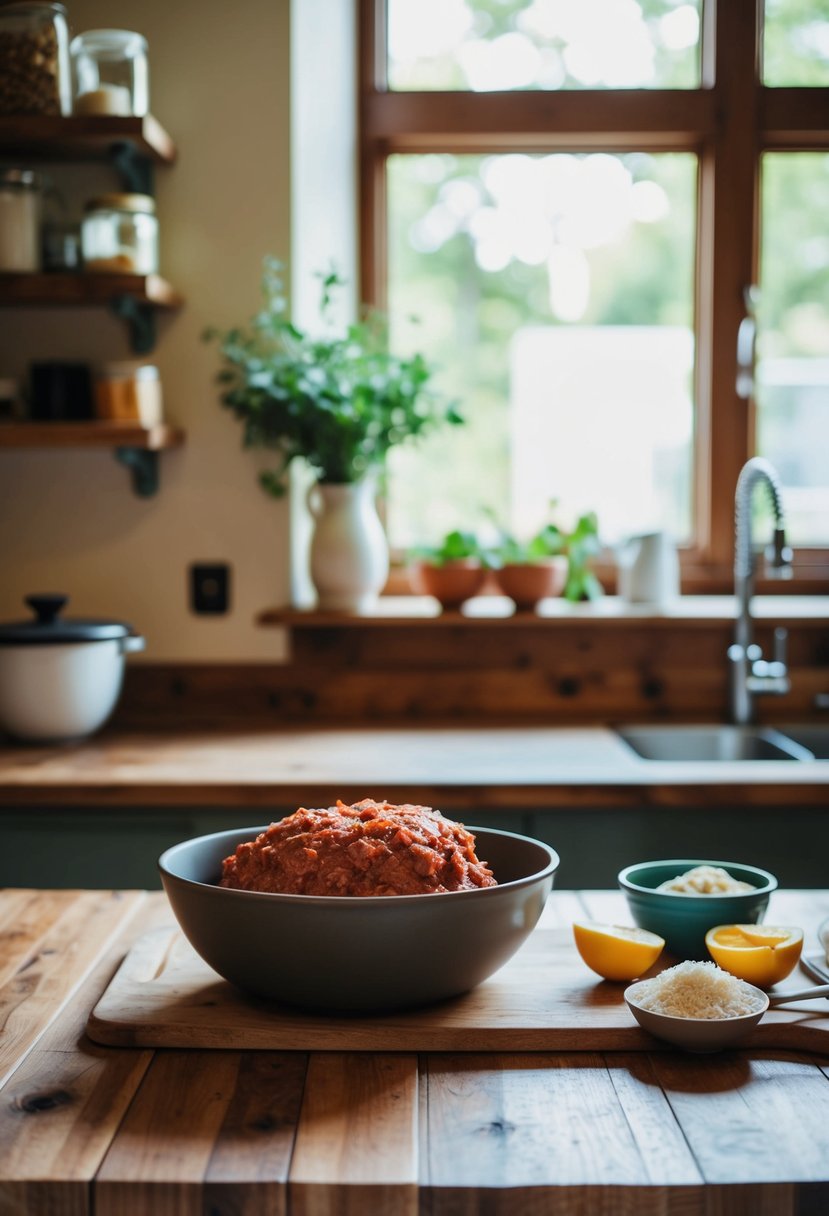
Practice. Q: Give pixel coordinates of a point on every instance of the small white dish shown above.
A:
(701, 1035)
(712, 1034)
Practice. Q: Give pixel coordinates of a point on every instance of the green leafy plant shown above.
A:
(579, 546)
(583, 544)
(340, 401)
(455, 546)
(550, 541)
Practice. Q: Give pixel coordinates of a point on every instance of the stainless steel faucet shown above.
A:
(751, 674)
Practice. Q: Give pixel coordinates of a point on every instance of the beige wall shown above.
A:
(220, 84)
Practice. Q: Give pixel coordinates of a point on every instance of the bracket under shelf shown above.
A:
(139, 317)
(143, 466)
(137, 448)
(133, 167)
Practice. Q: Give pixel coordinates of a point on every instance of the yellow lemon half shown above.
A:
(617, 952)
(761, 954)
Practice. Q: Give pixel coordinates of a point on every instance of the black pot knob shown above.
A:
(47, 608)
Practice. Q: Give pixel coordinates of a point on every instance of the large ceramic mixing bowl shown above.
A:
(375, 953)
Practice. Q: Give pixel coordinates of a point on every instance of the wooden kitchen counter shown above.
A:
(137, 1132)
(486, 766)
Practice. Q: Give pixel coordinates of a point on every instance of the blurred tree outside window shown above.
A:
(793, 349)
(559, 210)
(483, 45)
(556, 295)
(796, 42)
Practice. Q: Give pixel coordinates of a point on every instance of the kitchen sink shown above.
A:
(715, 743)
(814, 738)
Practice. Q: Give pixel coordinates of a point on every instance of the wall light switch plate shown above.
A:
(210, 588)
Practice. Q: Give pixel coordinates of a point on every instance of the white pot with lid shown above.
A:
(60, 677)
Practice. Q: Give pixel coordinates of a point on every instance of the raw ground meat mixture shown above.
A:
(371, 848)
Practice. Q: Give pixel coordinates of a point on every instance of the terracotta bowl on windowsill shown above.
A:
(451, 583)
(528, 583)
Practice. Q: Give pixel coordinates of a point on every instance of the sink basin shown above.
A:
(814, 738)
(713, 743)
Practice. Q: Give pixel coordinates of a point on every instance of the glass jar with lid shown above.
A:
(129, 391)
(119, 234)
(110, 72)
(20, 209)
(34, 59)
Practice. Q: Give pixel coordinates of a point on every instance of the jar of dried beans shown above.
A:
(34, 59)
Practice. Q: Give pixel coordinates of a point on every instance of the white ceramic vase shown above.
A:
(349, 556)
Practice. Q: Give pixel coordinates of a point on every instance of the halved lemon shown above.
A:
(617, 952)
(761, 954)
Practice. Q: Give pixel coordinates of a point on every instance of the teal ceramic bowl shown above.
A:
(683, 920)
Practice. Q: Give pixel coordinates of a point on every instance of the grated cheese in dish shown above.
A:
(698, 990)
(705, 880)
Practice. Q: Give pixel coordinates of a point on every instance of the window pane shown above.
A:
(487, 45)
(555, 294)
(793, 338)
(796, 42)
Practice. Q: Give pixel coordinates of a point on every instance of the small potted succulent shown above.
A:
(552, 562)
(453, 571)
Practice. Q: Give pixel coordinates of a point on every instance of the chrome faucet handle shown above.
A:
(779, 557)
(774, 668)
(778, 667)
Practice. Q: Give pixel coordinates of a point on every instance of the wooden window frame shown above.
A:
(728, 123)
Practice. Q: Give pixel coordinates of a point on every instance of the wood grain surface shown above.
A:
(543, 999)
(460, 767)
(126, 1131)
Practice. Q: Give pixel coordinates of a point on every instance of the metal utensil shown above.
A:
(815, 966)
(805, 994)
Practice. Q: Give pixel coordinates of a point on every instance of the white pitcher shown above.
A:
(648, 568)
(349, 555)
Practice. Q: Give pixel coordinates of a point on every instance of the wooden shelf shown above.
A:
(136, 447)
(133, 146)
(84, 137)
(77, 290)
(484, 610)
(134, 298)
(89, 435)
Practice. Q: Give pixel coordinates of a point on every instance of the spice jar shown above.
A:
(20, 202)
(34, 59)
(119, 234)
(9, 399)
(60, 244)
(110, 72)
(129, 392)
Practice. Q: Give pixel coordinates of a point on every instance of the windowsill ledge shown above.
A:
(487, 609)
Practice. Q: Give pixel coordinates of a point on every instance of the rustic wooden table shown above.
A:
(139, 1132)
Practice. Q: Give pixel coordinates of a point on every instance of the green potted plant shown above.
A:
(582, 546)
(452, 571)
(552, 562)
(339, 401)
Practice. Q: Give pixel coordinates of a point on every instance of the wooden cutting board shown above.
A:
(543, 999)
